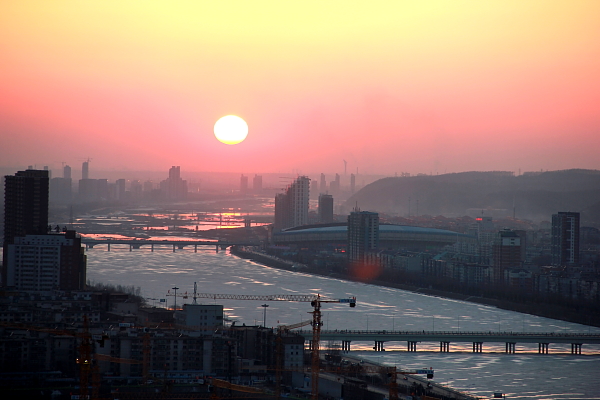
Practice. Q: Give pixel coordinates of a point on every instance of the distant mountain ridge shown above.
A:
(533, 196)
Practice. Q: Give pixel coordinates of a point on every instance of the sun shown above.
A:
(231, 129)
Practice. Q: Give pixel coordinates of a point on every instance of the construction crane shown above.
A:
(315, 301)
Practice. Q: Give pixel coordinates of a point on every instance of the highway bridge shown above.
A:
(175, 244)
(510, 339)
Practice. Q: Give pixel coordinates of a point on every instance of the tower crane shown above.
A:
(315, 301)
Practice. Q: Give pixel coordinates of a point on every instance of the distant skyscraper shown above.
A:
(291, 207)
(243, 184)
(67, 172)
(135, 188)
(325, 208)
(506, 254)
(323, 184)
(257, 183)
(334, 186)
(174, 188)
(88, 190)
(363, 235)
(120, 189)
(352, 183)
(175, 172)
(61, 191)
(565, 239)
(85, 170)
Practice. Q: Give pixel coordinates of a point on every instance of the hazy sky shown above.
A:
(389, 86)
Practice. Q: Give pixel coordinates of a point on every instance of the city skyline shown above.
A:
(385, 88)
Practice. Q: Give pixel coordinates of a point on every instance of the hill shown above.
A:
(533, 196)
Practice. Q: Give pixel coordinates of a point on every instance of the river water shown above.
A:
(525, 375)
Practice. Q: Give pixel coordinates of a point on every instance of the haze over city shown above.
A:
(419, 87)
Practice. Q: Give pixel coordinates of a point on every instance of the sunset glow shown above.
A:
(412, 86)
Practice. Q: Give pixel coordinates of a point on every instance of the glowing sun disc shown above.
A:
(231, 129)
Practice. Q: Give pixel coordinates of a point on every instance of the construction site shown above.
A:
(91, 345)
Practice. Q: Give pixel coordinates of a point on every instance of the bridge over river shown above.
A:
(510, 339)
(175, 244)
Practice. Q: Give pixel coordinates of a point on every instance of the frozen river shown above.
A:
(525, 375)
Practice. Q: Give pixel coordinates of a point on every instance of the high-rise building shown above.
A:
(352, 183)
(174, 188)
(334, 186)
(25, 204)
(135, 188)
(34, 259)
(291, 207)
(61, 191)
(363, 235)
(88, 190)
(565, 239)
(243, 184)
(257, 183)
(46, 262)
(325, 208)
(120, 189)
(67, 172)
(506, 253)
(323, 184)
(85, 170)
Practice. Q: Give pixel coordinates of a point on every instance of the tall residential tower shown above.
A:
(363, 235)
(565, 239)
(291, 207)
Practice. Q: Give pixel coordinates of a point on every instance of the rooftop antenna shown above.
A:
(195, 293)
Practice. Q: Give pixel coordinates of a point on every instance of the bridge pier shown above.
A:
(109, 247)
(412, 346)
(195, 248)
(378, 346)
(510, 348)
(217, 248)
(477, 347)
(152, 247)
(345, 346)
(173, 248)
(130, 247)
(444, 347)
(543, 348)
(576, 348)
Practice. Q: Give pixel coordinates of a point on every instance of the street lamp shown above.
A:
(264, 314)
(175, 306)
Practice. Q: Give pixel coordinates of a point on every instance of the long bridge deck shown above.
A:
(175, 244)
(510, 339)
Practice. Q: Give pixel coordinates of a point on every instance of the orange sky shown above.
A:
(389, 86)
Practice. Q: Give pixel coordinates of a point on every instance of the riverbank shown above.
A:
(541, 310)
